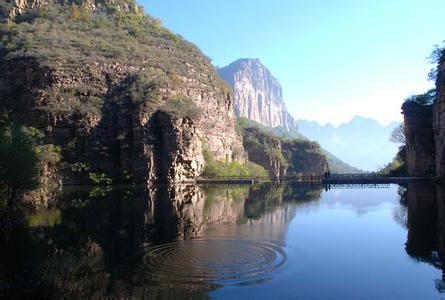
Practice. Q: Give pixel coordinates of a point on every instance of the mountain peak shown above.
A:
(257, 93)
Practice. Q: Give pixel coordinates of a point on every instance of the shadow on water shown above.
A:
(139, 243)
(426, 226)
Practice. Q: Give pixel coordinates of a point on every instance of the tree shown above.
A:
(398, 135)
(427, 98)
(19, 162)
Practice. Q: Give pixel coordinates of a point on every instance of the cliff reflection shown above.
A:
(426, 226)
(91, 244)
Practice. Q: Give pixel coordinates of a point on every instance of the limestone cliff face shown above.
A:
(258, 95)
(141, 105)
(420, 150)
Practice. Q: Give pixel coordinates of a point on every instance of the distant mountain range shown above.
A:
(362, 142)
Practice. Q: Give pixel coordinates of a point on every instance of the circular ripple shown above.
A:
(212, 260)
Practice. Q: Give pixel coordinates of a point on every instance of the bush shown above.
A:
(427, 98)
(19, 160)
(181, 106)
(223, 169)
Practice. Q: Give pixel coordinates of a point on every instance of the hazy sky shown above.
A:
(334, 59)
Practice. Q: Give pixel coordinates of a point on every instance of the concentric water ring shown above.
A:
(212, 260)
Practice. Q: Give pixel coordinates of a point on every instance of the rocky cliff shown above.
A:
(420, 150)
(257, 94)
(439, 119)
(425, 129)
(122, 96)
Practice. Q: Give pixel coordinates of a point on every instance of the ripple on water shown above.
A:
(210, 260)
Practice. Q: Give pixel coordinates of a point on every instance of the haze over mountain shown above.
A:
(362, 142)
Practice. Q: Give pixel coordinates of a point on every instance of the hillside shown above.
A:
(123, 97)
(281, 157)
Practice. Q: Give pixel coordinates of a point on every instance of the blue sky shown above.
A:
(334, 59)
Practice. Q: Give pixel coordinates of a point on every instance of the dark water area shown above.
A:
(271, 241)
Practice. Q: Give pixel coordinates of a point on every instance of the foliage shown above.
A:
(279, 132)
(19, 160)
(335, 164)
(266, 142)
(181, 106)
(100, 178)
(302, 156)
(427, 98)
(437, 57)
(397, 167)
(223, 169)
(114, 38)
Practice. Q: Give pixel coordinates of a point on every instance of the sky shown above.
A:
(334, 59)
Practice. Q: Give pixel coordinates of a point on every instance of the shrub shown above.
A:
(427, 98)
(181, 106)
(223, 169)
(100, 178)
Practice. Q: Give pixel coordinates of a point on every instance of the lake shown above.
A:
(269, 241)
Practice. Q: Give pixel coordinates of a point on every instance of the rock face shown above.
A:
(265, 150)
(439, 121)
(420, 151)
(141, 105)
(425, 132)
(258, 95)
(182, 148)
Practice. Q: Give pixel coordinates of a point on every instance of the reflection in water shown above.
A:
(136, 242)
(426, 226)
(190, 241)
(201, 260)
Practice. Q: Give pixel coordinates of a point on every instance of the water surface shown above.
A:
(267, 241)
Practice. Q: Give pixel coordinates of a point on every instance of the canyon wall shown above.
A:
(122, 99)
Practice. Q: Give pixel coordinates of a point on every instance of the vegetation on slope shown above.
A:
(293, 157)
(233, 169)
(335, 164)
(23, 160)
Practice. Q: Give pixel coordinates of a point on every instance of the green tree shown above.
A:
(19, 168)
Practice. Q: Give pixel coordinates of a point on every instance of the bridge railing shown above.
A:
(304, 178)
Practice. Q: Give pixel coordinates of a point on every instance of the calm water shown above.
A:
(260, 242)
